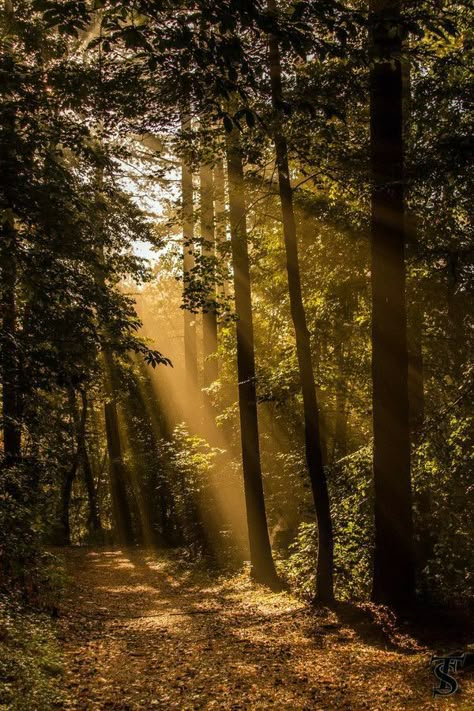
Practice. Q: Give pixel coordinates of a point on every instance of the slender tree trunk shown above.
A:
(97, 458)
(221, 232)
(394, 580)
(9, 350)
(63, 532)
(190, 344)
(121, 514)
(263, 568)
(62, 535)
(9, 360)
(416, 398)
(209, 317)
(80, 422)
(313, 445)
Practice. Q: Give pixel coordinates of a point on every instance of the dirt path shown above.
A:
(138, 632)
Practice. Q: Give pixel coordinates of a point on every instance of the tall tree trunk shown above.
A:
(121, 515)
(190, 345)
(9, 349)
(9, 360)
(263, 568)
(209, 317)
(313, 445)
(220, 231)
(394, 580)
(416, 398)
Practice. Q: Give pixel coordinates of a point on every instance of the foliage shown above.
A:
(351, 496)
(30, 662)
(446, 553)
(92, 139)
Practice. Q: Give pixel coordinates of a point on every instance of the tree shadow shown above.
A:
(190, 638)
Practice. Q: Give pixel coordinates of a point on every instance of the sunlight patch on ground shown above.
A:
(225, 644)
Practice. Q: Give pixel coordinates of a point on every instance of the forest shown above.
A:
(236, 246)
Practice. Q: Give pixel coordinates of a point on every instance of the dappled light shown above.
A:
(235, 355)
(172, 639)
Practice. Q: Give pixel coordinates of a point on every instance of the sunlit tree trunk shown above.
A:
(221, 232)
(263, 569)
(209, 317)
(313, 445)
(394, 582)
(190, 344)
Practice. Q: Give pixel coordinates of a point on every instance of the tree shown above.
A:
(220, 223)
(209, 255)
(187, 195)
(313, 446)
(263, 568)
(80, 423)
(394, 581)
(10, 362)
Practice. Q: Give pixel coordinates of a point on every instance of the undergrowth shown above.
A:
(30, 660)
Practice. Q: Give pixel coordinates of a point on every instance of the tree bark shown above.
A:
(9, 350)
(416, 397)
(190, 345)
(9, 360)
(394, 579)
(209, 316)
(63, 532)
(121, 515)
(263, 568)
(220, 231)
(313, 444)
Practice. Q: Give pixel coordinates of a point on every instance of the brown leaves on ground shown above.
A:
(139, 632)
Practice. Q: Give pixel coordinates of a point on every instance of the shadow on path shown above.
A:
(141, 632)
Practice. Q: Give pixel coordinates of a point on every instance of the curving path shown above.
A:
(140, 632)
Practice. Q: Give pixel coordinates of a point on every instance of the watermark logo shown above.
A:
(443, 669)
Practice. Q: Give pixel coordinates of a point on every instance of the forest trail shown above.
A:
(140, 632)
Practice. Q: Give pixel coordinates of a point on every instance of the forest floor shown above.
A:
(140, 631)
